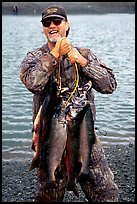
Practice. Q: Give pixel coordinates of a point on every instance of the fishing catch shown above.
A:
(41, 123)
(61, 140)
(78, 146)
(63, 146)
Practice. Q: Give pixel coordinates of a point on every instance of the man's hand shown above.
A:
(75, 56)
(62, 47)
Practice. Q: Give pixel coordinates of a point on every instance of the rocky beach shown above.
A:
(20, 185)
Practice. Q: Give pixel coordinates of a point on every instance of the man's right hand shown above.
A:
(62, 47)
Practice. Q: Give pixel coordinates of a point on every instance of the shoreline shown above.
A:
(35, 8)
(20, 185)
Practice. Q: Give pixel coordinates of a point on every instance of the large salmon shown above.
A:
(55, 145)
(87, 139)
(42, 122)
(78, 147)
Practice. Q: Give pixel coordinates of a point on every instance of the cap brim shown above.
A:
(43, 18)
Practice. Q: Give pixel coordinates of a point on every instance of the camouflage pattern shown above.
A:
(38, 70)
(101, 187)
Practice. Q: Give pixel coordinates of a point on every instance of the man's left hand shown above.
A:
(75, 56)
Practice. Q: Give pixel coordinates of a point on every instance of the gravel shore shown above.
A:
(20, 185)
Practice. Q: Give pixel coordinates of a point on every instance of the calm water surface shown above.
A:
(111, 37)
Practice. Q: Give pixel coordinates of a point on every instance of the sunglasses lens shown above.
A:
(46, 23)
(56, 21)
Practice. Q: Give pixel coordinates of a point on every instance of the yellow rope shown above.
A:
(77, 82)
(76, 75)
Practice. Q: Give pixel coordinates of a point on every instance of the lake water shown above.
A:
(110, 36)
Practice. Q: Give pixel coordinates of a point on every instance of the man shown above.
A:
(79, 154)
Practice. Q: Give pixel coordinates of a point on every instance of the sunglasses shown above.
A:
(56, 21)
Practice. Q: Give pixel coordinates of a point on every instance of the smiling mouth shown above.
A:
(53, 32)
(53, 36)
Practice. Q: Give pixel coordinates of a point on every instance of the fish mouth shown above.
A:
(84, 177)
(73, 187)
(49, 185)
(53, 185)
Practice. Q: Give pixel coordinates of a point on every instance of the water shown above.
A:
(111, 37)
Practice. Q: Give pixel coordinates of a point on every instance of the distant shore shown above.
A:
(35, 8)
(20, 185)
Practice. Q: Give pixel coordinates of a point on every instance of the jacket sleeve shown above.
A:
(102, 77)
(36, 69)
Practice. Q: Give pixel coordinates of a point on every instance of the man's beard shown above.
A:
(53, 40)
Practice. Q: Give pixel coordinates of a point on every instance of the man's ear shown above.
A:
(67, 26)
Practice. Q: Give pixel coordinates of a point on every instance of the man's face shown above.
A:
(55, 28)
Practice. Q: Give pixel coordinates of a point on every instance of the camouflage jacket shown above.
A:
(39, 68)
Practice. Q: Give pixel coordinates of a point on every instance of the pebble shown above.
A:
(20, 185)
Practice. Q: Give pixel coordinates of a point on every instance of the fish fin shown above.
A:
(33, 146)
(34, 163)
(79, 117)
(32, 129)
(73, 187)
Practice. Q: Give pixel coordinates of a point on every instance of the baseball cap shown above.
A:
(54, 11)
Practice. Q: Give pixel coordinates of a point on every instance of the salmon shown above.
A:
(54, 148)
(87, 139)
(61, 136)
(78, 148)
(35, 138)
(41, 123)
